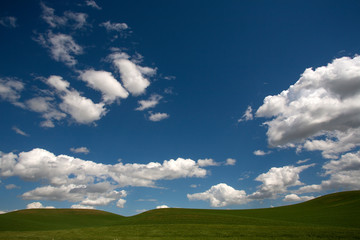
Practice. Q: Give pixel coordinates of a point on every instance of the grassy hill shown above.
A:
(334, 216)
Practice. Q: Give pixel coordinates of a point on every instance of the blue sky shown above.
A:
(127, 106)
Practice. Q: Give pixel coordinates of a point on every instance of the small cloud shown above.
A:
(156, 117)
(207, 162)
(19, 131)
(37, 205)
(162, 206)
(303, 161)
(150, 103)
(146, 200)
(118, 27)
(84, 150)
(140, 210)
(248, 115)
(230, 162)
(92, 3)
(121, 203)
(193, 186)
(80, 206)
(296, 198)
(261, 153)
(11, 186)
(9, 22)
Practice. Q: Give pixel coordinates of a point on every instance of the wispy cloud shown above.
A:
(84, 150)
(93, 4)
(150, 103)
(9, 22)
(156, 117)
(19, 131)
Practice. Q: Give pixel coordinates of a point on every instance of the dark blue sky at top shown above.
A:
(220, 56)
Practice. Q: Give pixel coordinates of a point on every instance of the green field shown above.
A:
(334, 216)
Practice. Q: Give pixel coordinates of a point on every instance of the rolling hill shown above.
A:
(334, 216)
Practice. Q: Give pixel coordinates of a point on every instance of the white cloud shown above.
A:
(74, 20)
(81, 109)
(106, 83)
(132, 75)
(207, 162)
(295, 198)
(86, 182)
(261, 153)
(322, 107)
(10, 90)
(118, 27)
(93, 4)
(303, 161)
(121, 203)
(84, 150)
(156, 117)
(62, 47)
(162, 206)
(230, 162)
(19, 131)
(277, 180)
(79, 206)
(11, 186)
(150, 103)
(8, 21)
(344, 174)
(221, 195)
(248, 115)
(37, 205)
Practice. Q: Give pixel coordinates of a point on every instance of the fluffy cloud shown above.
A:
(150, 103)
(86, 182)
(295, 198)
(105, 83)
(343, 174)
(156, 117)
(8, 21)
(277, 180)
(62, 47)
(230, 162)
(132, 75)
(121, 203)
(118, 27)
(37, 205)
(162, 206)
(79, 206)
(221, 195)
(84, 150)
(323, 106)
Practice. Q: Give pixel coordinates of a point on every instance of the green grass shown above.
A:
(334, 216)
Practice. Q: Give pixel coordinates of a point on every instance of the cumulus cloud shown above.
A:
(37, 205)
(84, 150)
(121, 203)
(162, 206)
(221, 195)
(295, 198)
(321, 108)
(104, 81)
(150, 103)
(86, 182)
(156, 117)
(132, 75)
(74, 20)
(230, 162)
(62, 47)
(344, 174)
(277, 180)
(118, 27)
(9, 22)
(19, 131)
(93, 4)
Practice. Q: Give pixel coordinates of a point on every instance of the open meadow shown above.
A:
(334, 216)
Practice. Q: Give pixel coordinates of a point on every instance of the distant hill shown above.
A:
(338, 210)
